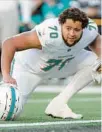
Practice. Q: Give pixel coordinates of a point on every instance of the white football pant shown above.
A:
(28, 81)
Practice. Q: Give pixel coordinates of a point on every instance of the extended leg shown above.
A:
(58, 106)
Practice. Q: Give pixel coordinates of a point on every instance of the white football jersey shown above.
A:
(55, 54)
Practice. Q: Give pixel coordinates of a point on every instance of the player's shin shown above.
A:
(78, 82)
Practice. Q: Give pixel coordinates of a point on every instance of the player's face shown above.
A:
(71, 31)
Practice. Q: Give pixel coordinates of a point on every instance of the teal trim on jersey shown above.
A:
(12, 67)
(91, 25)
(12, 106)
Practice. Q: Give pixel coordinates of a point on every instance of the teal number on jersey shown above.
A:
(53, 62)
(91, 25)
(64, 62)
(54, 33)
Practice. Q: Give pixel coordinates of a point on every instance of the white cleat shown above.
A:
(64, 112)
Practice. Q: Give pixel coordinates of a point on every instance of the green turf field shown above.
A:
(33, 118)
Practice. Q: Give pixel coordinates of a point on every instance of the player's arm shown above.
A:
(95, 46)
(19, 42)
(97, 66)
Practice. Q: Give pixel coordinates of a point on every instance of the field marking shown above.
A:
(58, 88)
(75, 100)
(48, 123)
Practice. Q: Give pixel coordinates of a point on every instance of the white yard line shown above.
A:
(57, 88)
(75, 100)
(48, 123)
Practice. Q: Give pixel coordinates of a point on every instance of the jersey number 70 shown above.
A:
(54, 33)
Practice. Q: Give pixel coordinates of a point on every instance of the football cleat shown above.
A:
(64, 112)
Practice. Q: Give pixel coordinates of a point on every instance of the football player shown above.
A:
(54, 48)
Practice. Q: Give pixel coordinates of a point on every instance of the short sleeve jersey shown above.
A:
(50, 36)
(55, 53)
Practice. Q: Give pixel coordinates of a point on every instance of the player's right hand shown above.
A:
(9, 79)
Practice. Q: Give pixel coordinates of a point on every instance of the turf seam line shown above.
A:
(48, 123)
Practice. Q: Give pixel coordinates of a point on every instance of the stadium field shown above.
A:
(33, 118)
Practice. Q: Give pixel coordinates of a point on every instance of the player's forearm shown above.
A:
(8, 51)
(96, 47)
(97, 50)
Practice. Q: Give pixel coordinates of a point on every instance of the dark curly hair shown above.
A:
(75, 14)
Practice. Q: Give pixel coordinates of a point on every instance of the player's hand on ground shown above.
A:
(9, 79)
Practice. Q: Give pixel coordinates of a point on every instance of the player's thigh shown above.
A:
(26, 81)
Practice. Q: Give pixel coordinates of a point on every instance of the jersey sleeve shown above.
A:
(92, 29)
(91, 32)
(92, 25)
(48, 33)
(41, 33)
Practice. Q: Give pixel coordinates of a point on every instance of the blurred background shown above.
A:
(17, 16)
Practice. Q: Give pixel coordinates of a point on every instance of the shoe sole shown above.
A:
(63, 118)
